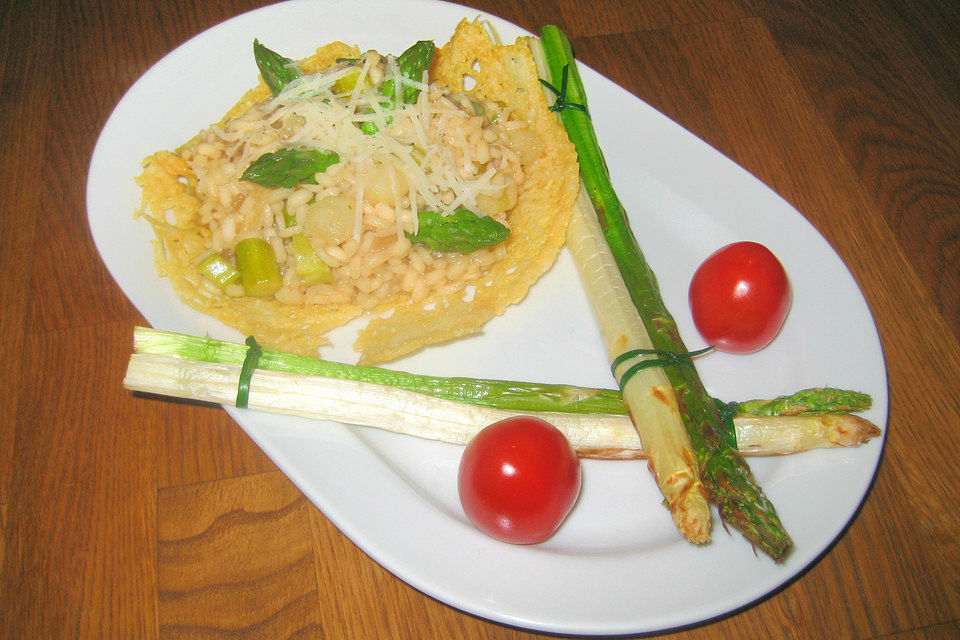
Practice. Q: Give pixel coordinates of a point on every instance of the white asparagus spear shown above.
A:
(648, 395)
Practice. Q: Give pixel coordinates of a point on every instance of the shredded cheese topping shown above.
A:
(421, 143)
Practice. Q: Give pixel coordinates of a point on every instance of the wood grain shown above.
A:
(199, 443)
(862, 63)
(21, 148)
(235, 559)
(123, 516)
(83, 538)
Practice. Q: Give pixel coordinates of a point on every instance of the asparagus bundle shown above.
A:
(723, 471)
(454, 409)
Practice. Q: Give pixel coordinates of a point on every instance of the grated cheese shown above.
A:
(421, 144)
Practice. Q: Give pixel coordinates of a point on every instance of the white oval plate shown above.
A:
(617, 565)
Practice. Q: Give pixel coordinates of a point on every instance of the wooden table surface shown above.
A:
(129, 518)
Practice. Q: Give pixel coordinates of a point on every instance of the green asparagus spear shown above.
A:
(808, 402)
(412, 64)
(289, 166)
(462, 231)
(218, 270)
(723, 470)
(275, 69)
(257, 264)
(311, 269)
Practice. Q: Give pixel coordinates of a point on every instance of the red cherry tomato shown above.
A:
(740, 297)
(518, 480)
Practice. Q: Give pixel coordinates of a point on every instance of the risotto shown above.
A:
(427, 190)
